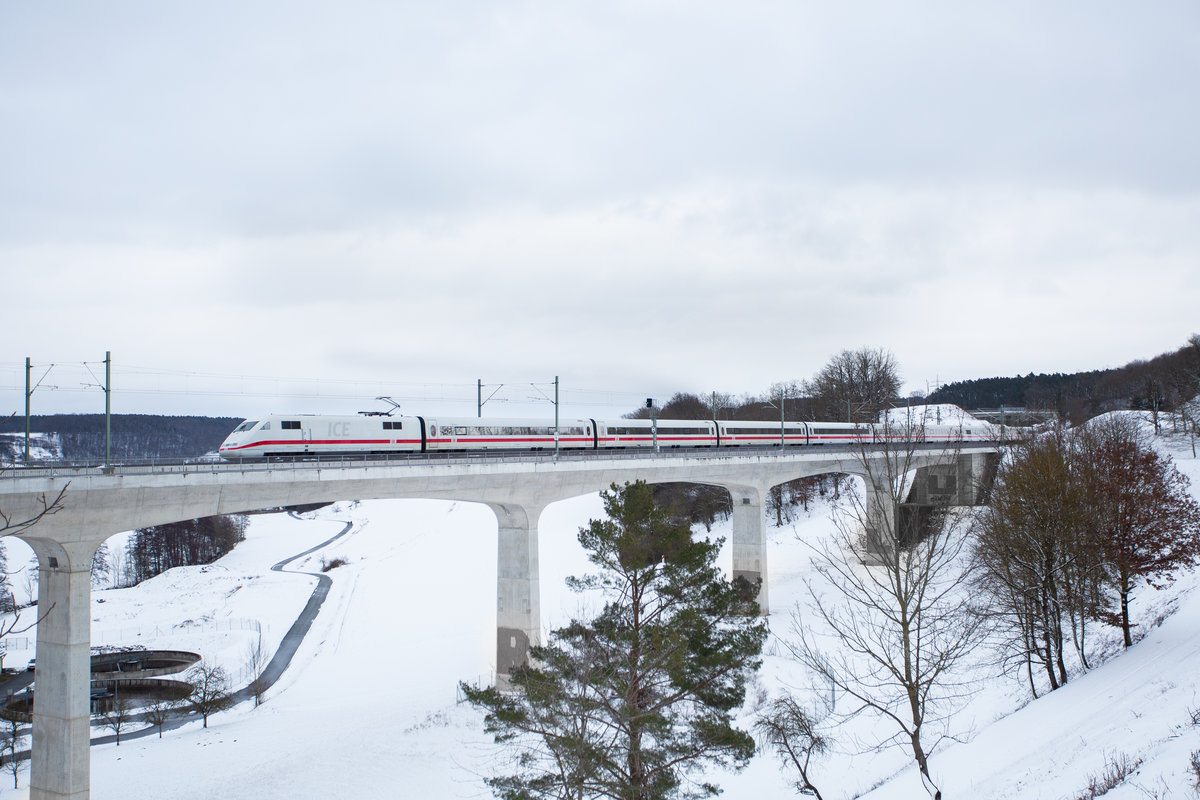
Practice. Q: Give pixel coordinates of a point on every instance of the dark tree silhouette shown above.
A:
(181, 544)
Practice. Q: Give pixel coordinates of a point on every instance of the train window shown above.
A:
(393, 426)
(629, 431)
(266, 426)
(245, 426)
(290, 424)
(460, 430)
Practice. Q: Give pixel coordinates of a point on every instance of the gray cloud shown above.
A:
(700, 196)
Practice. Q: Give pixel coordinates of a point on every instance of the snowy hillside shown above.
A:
(42, 447)
(937, 414)
(368, 708)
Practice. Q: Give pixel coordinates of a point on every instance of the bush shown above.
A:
(1115, 772)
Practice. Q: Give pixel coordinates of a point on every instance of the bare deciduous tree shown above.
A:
(10, 527)
(792, 731)
(10, 741)
(159, 712)
(855, 385)
(1037, 569)
(210, 690)
(118, 715)
(889, 634)
(256, 664)
(102, 566)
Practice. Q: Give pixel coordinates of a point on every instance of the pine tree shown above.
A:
(627, 705)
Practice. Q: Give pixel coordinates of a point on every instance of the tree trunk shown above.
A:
(1047, 639)
(1055, 617)
(923, 765)
(1125, 612)
(1049, 660)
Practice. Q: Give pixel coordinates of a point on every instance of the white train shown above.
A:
(316, 435)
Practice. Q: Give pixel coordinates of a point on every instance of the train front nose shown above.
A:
(236, 443)
(231, 446)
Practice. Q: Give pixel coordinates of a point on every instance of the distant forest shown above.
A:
(133, 435)
(1163, 383)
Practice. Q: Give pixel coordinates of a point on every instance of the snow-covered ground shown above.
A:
(42, 447)
(936, 414)
(368, 707)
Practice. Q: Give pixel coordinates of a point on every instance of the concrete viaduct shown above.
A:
(98, 502)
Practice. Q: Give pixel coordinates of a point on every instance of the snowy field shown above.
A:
(368, 707)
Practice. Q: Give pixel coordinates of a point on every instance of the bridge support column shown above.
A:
(518, 608)
(61, 766)
(750, 541)
(879, 524)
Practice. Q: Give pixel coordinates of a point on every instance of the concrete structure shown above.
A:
(99, 502)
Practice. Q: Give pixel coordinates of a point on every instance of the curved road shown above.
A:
(283, 654)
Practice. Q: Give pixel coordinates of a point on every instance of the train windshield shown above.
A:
(245, 426)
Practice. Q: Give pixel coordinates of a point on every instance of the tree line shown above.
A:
(192, 542)
(1077, 518)
(134, 436)
(1163, 383)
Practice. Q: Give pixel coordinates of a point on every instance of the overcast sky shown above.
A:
(368, 198)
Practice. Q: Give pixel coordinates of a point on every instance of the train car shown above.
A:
(313, 434)
(822, 433)
(735, 433)
(641, 433)
(471, 433)
(966, 431)
(367, 434)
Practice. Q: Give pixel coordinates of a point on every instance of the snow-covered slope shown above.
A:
(42, 447)
(368, 708)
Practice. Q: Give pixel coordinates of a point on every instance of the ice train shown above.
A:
(370, 434)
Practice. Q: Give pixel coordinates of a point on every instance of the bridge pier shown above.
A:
(878, 514)
(60, 762)
(518, 592)
(749, 543)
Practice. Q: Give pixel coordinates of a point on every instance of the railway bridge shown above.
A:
(98, 502)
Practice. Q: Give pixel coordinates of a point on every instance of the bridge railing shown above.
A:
(70, 469)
